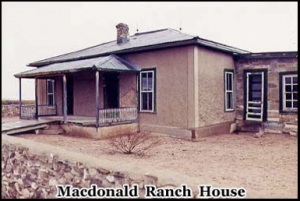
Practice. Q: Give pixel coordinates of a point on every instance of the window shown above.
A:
(50, 92)
(228, 86)
(288, 92)
(147, 90)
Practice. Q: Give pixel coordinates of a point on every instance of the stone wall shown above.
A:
(276, 121)
(32, 170)
(10, 110)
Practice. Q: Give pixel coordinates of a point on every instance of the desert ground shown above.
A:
(266, 167)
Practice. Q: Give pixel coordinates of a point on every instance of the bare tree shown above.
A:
(137, 143)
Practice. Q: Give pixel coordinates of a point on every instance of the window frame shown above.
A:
(282, 84)
(232, 91)
(50, 93)
(153, 91)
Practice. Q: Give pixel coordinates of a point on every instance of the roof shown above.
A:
(140, 41)
(268, 55)
(106, 63)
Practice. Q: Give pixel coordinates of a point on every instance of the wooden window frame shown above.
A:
(282, 92)
(226, 91)
(50, 93)
(153, 90)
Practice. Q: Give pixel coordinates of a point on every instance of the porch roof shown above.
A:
(106, 63)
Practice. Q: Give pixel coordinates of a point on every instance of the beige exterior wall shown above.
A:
(172, 80)
(128, 90)
(211, 65)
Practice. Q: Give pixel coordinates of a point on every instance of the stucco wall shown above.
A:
(128, 94)
(211, 87)
(171, 85)
(274, 66)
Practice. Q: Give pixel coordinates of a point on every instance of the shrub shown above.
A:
(130, 143)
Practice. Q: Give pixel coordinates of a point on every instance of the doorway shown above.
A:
(111, 90)
(255, 95)
(70, 95)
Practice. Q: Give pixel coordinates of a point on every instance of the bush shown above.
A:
(130, 143)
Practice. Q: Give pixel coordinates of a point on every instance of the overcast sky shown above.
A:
(36, 30)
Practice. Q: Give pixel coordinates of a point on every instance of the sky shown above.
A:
(33, 31)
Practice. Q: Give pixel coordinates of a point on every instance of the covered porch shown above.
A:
(91, 92)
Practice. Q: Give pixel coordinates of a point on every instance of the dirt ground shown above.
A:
(266, 167)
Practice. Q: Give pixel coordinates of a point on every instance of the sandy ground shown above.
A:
(9, 119)
(266, 167)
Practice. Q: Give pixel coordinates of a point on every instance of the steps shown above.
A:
(249, 126)
(51, 129)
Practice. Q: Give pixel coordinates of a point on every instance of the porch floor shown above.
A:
(85, 121)
(81, 120)
(25, 125)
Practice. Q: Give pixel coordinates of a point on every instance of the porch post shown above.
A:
(20, 96)
(65, 97)
(97, 98)
(36, 99)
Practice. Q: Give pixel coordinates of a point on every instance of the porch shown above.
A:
(107, 117)
(91, 92)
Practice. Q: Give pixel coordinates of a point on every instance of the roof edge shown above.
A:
(268, 55)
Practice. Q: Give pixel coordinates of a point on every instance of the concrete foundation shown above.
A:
(101, 132)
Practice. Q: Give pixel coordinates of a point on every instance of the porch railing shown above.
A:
(29, 111)
(116, 115)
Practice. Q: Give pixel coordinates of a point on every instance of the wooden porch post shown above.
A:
(36, 99)
(65, 97)
(97, 98)
(20, 96)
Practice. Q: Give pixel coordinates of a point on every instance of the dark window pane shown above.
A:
(288, 80)
(295, 104)
(229, 80)
(255, 78)
(256, 95)
(144, 81)
(229, 97)
(295, 80)
(288, 96)
(288, 104)
(150, 84)
(50, 86)
(295, 96)
(256, 87)
(255, 110)
(150, 101)
(288, 88)
(295, 88)
(144, 101)
(50, 100)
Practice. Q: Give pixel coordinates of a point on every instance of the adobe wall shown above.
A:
(211, 65)
(281, 122)
(32, 170)
(10, 110)
(171, 85)
(128, 90)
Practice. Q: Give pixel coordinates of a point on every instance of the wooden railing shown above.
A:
(29, 111)
(116, 115)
